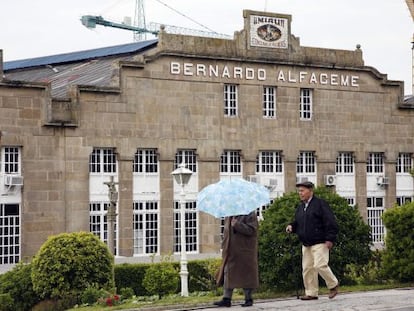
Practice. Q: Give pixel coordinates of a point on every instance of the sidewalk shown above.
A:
(394, 299)
(382, 300)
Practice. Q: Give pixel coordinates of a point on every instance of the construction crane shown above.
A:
(140, 28)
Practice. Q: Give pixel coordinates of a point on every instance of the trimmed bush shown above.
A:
(18, 284)
(68, 263)
(6, 302)
(399, 252)
(162, 278)
(131, 275)
(280, 253)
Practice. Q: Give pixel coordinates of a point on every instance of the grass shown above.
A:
(207, 298)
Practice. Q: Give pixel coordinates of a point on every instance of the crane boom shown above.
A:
(91, 21)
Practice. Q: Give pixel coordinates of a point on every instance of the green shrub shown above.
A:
(18, 283)
(91, 295)
(399, 241)
(161, 278)
(280, 253)
(368, 274)
(131, 275)
(202, 274)
(68, 263)
(126, 293)
(6, 302)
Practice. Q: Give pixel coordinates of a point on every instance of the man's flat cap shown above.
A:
(306, 184)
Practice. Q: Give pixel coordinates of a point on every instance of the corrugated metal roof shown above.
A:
(98, 67)
(78, 56)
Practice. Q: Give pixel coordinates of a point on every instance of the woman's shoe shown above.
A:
(248, 303)
(225, 302)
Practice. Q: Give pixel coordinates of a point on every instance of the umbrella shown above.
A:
(231, 197)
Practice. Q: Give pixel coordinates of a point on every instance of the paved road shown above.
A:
(381, 300)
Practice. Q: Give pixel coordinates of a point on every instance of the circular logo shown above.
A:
(269, 32)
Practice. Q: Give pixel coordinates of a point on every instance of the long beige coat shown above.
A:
(239, 253)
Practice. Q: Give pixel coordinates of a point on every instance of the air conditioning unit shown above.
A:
(382, 181)
(330, 180)
(253, 178)
(13, 180)
(271, 184)
(300, 179)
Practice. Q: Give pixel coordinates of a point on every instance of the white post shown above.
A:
(183, 261)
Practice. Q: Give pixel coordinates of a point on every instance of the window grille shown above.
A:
(98, 223)
(305, 107)
(269, 102)
(345, 163)
(404, 163)
(269, 162)
(306, 162)
(375, 208)
(189, 158)
(102, 160)
(145, 223)
(230, 100)
(10, 229)
(191, 231)
(375, 163)
(145, 161)
(230, 162)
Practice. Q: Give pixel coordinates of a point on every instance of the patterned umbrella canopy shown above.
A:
(231, 197)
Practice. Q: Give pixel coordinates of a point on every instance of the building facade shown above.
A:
(259, 106)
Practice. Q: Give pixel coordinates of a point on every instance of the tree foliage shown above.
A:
(398, 260)
(280, 253)
(68, 263)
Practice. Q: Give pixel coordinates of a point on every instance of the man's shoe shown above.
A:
(248, 303)
(333, 292)
(309, 297)
(225, 302)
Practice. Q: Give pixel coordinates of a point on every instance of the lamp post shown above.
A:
(111, 214)
(182, 176)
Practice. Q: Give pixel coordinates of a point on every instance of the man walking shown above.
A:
(316, 227)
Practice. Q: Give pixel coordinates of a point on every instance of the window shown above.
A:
(145, 225)
(189, 158)
(403, 200)
(10, 160)
(102, 160)
(9, 233)
(145, 161)
(305, 104)
(98, 223)
(269, 102)
(230, 162)
(375, 163)
(230, 100)
(306, 162)
(351, 201)
(404, 163)
(345, 163)
(269, 162)
(190, 227)
(375, 207)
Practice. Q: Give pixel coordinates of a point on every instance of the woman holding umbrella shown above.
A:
(239, 268)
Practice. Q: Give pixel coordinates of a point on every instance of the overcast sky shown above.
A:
(383, 28)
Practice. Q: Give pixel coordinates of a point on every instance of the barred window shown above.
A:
(102, 160)
(189, 158)
(230, 162)
(306, 162)
(345, 163)
(10, 229)
(10, 160)
(404, 163)
(230, 100)
(269, 102)
(375, 208)
(375, 163)
(145, 223)
(305, 106)
(145, 161)
(98, 223)
(191, 231)
(269, 162)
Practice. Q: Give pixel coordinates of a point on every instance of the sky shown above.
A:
(383, 28)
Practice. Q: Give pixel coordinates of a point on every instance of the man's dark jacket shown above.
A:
(315, 225)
